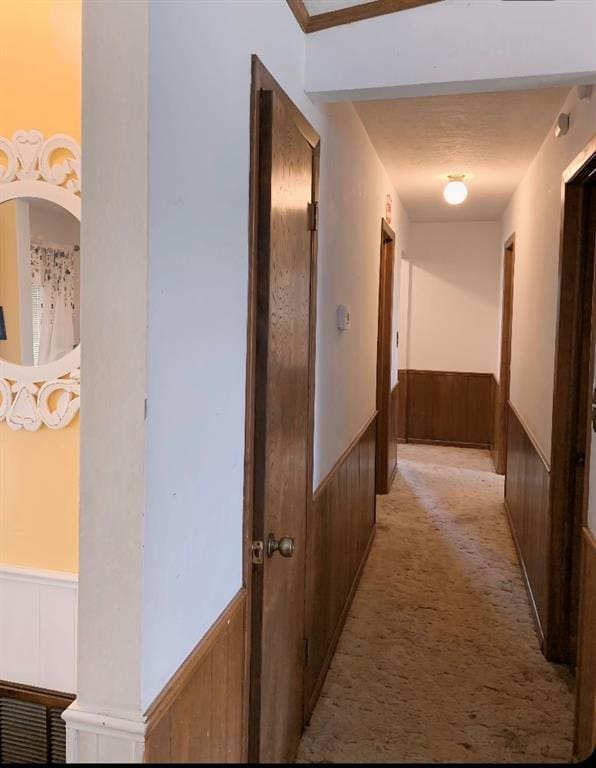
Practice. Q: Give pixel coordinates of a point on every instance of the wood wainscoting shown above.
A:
(200, 715)
(447, 408)
(585, 713)
(497, 421)
(340, 528)
(399, 404)
(527, 485)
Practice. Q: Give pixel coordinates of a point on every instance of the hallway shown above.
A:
(439, 659)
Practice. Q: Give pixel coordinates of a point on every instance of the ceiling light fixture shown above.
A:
(455, 191)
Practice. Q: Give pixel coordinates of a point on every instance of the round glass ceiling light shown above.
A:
(455, 191)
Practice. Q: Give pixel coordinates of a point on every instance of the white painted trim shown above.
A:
(38, 628)
(93, 737)
(25, 391)
(48, 578)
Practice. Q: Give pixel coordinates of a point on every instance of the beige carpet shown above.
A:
(439, 660)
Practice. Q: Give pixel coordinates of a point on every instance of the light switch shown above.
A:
(343, 317)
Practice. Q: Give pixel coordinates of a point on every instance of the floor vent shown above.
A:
(31, 727)
(57, 736)
(23, 732)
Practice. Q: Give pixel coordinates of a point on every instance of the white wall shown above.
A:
(198, 270)
(114, 348)
(455, 46)
(354, 186)
(38, 628)
(534, 214)
(451, 297)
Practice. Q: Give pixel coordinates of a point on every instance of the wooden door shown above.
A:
(572, 400)
(281, 431)
(386, 450)
(501, 411)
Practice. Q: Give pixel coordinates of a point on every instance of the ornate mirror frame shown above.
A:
(28, 393)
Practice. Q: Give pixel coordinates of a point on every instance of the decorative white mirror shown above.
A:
(40, 214)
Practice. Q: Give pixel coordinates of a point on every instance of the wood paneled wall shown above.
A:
(527, 503)
(400, 406)
(585, 715)
(340, 531)
(199, 716)
(448, 408)
(496, 421)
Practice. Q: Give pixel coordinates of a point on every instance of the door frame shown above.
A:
(571, 430)
(501, 411)
(384, 477)
(262, 80)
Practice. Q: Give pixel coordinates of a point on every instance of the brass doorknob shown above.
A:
(285, 546)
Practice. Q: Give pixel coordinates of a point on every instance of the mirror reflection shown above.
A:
(39, 281)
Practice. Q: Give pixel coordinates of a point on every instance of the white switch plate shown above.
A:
(343, 317)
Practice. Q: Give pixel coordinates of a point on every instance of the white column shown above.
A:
(106, 724)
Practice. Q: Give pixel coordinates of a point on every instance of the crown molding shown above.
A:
(319, 21)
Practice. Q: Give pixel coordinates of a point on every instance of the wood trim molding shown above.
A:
(49, 699)
(329, 476)
(585, 711)
(341, 16)
(576, 166)
(527, 583)
(531, 437)
(341, 522)
(310, 704)
(301, 13)
(386, 448)
(449, 373)
(501, 391)
(184, 674)
(526, 500)
(199, 715)
(447, 443)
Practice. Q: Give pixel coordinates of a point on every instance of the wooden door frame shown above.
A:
(501, 411)
(571, 413)
(383, 479)
(263, 80)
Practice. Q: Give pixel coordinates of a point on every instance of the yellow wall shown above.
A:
(40, 87)
(9, 283)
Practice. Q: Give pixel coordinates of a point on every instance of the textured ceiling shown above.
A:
(492, 137)
(322, 6)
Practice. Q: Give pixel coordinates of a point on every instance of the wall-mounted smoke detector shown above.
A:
(455, 191)
(562, 124)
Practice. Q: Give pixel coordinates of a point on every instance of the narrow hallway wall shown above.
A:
(188, 458)
(449, 328)
(454, 296)
(534, 214)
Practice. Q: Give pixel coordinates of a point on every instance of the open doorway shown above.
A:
(386, 450)
(500, 426)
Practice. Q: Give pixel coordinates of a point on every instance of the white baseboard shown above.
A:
(99, 738)
(38, 628)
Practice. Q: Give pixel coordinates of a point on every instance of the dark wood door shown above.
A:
(502, 409)
(386, 452)
(281, 431)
